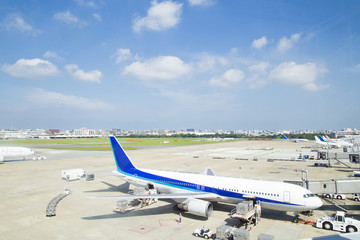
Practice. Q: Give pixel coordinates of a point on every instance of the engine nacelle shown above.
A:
(198, 207)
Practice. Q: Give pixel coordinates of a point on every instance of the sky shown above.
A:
(200, 64)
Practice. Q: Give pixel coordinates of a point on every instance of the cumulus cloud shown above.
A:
(92, 76)
(160, 16)
(208, 62)
(162, 68)
(304, 75)
(260, 67)
(229, 78)
(68, 18)
(30, 68)
(122, 55)
(259, 43)
(285, 44)
(200, 2)
(52, 54)
(55, 99)
(16, 22)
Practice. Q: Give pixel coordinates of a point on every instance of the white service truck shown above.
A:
(338, 223)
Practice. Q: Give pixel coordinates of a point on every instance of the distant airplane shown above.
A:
(195, 192)
(14, 152)
(332, 142)
(294, 139)
(340, 141)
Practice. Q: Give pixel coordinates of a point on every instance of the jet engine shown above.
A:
(197, 207)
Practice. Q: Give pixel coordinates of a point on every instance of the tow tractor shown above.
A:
(203, 232)
(338, 223)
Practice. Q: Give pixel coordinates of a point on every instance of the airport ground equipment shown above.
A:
(225, 232)
(356, 197)
(335, 196)
(72, 174)
(39, 157)
(247, 211)
(50, 210)
(90, 177)
(338, 223)
(204, 233)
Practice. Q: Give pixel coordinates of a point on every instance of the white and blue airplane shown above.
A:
(13, 152)
(294, 139)
(196, 192)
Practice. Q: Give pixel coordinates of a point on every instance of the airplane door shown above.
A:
(286, 196)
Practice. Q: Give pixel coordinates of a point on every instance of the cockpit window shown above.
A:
(309, 195)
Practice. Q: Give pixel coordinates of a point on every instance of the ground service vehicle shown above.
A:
(335, 195)
(203, 232)
(338, 223)
(356, 197)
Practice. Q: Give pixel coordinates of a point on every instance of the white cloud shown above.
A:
(55, 99)
(285, 44)
(16, 22)
(229, 78)
(97, 17)
(52, 54)
(259, 43)
(304, 75)
(69, 18)
(30, 68)
(160, 16)
(209, 62)
(122, 55)
(92, 76)
(200, 2)
(162, 68)
(260, 67)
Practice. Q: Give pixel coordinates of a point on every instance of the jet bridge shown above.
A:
(345, 186)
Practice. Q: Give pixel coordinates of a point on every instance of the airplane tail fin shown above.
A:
(317, 140)
(284, 137)
(122, 161)
(321, 139)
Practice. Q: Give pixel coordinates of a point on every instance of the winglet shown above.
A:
(122, 161)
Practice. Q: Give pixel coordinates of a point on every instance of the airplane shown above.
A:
(294, 139)
(340, 142)
(14, 152)
(196, 192)
(320, 140)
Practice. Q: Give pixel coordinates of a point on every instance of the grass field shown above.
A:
(103, 144)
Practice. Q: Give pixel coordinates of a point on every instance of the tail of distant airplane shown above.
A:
(123, 162)
(317, 140)
(321, 139)
(284, 137)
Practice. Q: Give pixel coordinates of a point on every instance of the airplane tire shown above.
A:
(327, 226)
(351, 229)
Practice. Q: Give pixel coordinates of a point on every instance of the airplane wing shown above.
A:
(163, 196)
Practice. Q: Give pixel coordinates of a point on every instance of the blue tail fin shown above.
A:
(123, 162)
(284, 137)
(321, 139)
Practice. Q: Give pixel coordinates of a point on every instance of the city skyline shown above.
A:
(207, 64)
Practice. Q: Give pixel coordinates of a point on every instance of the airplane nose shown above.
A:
(317, 202)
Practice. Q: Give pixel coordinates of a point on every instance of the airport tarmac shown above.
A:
(28, 186)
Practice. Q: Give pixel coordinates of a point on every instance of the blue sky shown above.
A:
(203, 64)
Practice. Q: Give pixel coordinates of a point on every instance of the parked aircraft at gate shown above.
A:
(195, 192)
